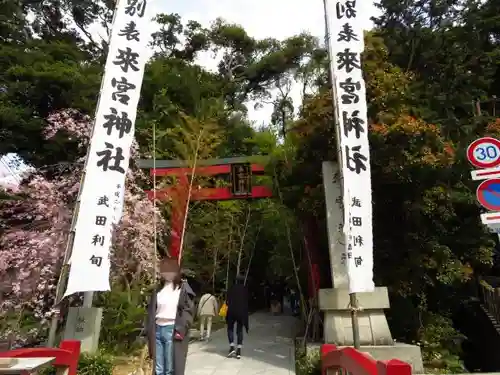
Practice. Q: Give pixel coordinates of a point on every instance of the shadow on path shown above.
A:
(267, 349)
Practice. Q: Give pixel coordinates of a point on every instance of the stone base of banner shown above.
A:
(84, 324)
(373, 327)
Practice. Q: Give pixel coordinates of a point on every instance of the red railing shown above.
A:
(66, 356)
(351, 361)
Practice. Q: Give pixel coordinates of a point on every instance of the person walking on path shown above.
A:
(207, 309)
(237, 314)
(169, 317)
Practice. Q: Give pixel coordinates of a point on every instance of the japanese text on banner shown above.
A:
(102, 195)
(346, 45)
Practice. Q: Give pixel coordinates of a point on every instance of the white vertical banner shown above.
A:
(101, 199)
(345, 24)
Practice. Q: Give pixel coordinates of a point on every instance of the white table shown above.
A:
(26, 366)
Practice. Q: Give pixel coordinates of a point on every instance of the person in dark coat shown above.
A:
(169, 316)
(237, 314)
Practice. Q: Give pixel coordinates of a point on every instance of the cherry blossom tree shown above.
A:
(36, 221)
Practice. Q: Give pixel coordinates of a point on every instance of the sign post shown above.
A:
(488, 194)
(484, 153)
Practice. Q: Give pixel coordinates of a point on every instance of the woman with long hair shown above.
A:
(170, 315)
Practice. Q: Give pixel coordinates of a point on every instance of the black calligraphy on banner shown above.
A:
(352, 123)
(119, 122)
(95, 260)
(98, 240)
(355, 160)
(350, 91)
(103, 201)
(100, 220)
(136, 7)
(358, 261)
(122, 86)
(127, 59)
(110, 161)
(358, 241)
(130, 31)
(356, 221)
(347, 34)
(356, 202)
(348, 60)
(117, 196)
(347, 10)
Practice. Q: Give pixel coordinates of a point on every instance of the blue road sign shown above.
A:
(488, 194)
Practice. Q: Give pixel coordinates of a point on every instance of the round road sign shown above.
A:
(488, 194)
(484, 152)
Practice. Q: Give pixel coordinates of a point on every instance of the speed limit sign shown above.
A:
(484, 152)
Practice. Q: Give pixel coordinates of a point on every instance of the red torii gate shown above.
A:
(179, 192)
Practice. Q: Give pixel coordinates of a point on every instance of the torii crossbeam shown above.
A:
(241, 170)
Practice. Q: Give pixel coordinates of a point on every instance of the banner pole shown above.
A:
(352, 296)
(88, 297)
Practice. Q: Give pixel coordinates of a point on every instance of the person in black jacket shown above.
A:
(237, 313)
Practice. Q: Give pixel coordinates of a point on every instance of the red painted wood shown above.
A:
(211, 170)
(213, 194)
(311, 261)
(178, 195)
(66, 356)
(348, 358)
(177, 224)
(357, 363)
(393, 367)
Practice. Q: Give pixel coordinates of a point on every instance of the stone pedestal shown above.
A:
(84, 324)
(373, 327)
(374, 332)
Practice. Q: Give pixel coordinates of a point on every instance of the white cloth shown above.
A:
(167, 300)
(205, 320)
(208, 305)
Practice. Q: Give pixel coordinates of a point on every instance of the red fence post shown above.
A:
(328, 355)
(72, 346)
(393, 367)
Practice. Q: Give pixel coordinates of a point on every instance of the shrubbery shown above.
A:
(124, 313)
(307, 363)
(95, 364)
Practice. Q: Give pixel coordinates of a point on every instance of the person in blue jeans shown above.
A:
(164, 364)
(170, 315)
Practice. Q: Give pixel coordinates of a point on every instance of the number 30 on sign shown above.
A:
(484, 152)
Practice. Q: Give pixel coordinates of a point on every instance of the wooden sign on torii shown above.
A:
(241, 170)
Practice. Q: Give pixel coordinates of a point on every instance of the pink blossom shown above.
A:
(33, 245)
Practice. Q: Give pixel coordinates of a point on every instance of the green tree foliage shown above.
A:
(431, 71)
(50, 61)
(421, 104)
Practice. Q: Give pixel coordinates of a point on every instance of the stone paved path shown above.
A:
(268, 349)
